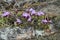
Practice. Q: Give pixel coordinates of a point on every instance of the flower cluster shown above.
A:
(46, 21)
(30, 12)
(27, 14)
(5, 14)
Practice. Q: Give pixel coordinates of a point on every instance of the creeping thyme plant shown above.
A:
(29, 17)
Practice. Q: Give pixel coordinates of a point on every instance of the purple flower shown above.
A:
(40, 13)
(31, 9)
(26, 15)
(29, 19)
(5, 14)
(33, 12)
(50, 21)
(18, 21)
(44, 21)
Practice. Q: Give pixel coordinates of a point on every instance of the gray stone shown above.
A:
(51, 9)
(9, 33)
